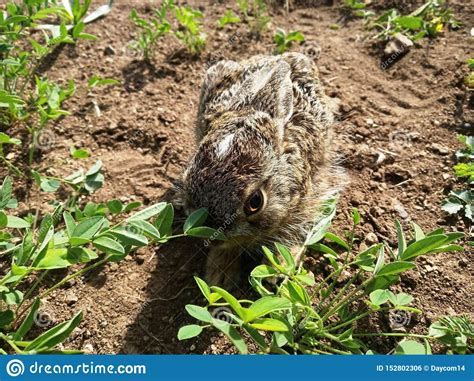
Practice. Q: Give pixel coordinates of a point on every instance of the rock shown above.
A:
(438, 148)
(399, 208)
(462, 263)
(71, 299)
(371, 238)
(88, 348)
(103, 324)
(192, 348)
(109, 51)
(113, 266)
(398, 45)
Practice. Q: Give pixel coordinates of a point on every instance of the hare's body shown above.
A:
(264, 163)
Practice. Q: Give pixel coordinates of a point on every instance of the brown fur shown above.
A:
(264, 123)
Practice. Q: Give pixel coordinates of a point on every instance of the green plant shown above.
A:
(300, 314)
(26, 99)
(284, 41)
(255, 14)
(189, 32)
(428, 20)
(151, 31)
(469, 79)
(228, 18)
(358, 7)
(462, 200)
(75, 238)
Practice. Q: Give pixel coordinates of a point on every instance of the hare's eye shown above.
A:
(254, 203)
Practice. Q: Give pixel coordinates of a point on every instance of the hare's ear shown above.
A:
(270, 89)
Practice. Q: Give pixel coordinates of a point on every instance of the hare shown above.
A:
(265, 162)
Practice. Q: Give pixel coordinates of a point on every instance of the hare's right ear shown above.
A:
(269, 89)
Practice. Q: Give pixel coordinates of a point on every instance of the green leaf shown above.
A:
(3, 219)
(205, 232)
(108, 246)
(189, 331)
(380, 259)
(87, 228)
(379, 297)
(144, 227)
(423, 246)
(49, 185)
(148, 212)
(409, 22)
(264, 306)
(336, 239)
(53, 259)
(269, 325)
(6, 318)
(27, 324)
(403, 299)
(115, 206)
(232, 334)
(355, 216)
(16, 223)
(196, 219)
(164, 221)
(206, 291)
(286, 254)
(127, 237)
(79, 153)
(306, 279)
(199, 313)
(396, 268)
(55, 335)
(14, 297)
(81, 255)
(298, 294)
(234, 303)
(402, 243)
(410, 347)
(263, 271)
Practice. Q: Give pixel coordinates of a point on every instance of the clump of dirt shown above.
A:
(396, 132)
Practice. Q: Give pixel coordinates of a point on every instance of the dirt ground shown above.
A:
(396, 132)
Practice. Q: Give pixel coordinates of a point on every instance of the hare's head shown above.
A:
(238, 172)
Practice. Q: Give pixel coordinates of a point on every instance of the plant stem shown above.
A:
(307, 350)
(11, 343)
(30, 291)
(346, 299)
(65, 280)
(395, 334)
(343, 290)
(331, 328)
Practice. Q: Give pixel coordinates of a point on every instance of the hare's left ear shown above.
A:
(275, 95)
(269, 89)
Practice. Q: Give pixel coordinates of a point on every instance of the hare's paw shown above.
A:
(223, 269)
